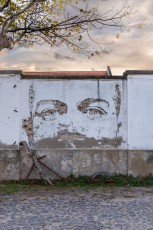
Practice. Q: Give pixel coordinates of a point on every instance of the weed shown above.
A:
(80, 181)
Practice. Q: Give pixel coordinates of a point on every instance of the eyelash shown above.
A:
(95, 110)
(98, 109)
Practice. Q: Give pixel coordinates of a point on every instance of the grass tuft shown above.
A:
(80, 181)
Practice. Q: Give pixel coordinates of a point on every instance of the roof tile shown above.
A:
(68, 73)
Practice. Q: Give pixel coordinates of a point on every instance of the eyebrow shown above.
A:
(59, 105)
(83, 105)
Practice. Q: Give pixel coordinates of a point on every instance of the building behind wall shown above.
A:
(85, 123)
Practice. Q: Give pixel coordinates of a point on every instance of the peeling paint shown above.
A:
(104, 143)
(65, 135)
(117, 100)
(119, 125)
(28, 126)
(31, 98)
(51, 143)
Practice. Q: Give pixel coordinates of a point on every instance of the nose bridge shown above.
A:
(69, 122)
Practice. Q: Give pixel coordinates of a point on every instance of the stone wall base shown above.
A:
(15, 164)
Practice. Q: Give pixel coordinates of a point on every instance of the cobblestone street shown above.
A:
(78, 209)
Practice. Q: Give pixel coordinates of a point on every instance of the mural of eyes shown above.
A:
(94, 108)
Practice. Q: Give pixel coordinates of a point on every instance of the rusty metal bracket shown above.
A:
(36, 163)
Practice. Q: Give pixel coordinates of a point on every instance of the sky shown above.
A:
(131, 51)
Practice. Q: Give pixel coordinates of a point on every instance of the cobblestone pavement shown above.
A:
(78, 209)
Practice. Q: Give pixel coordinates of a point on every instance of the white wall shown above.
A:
(140, 112)
(9, 111)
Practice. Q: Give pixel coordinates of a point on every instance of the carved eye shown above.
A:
(95, 112)
(48, 114)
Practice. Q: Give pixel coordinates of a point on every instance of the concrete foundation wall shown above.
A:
(15, 165)
(9, 164)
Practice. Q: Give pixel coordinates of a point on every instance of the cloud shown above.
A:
(62, 57)
(133, 50)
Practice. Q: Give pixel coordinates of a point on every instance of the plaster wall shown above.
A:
(140, 112)
(9, 111)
